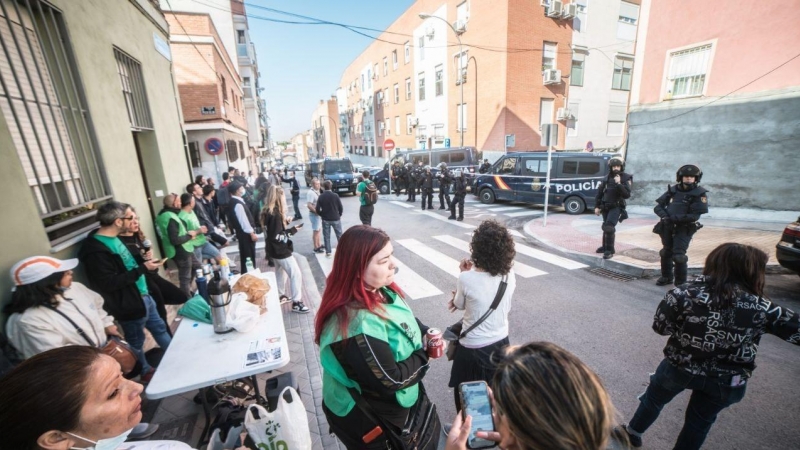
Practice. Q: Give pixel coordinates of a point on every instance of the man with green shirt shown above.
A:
(203, 248)
(367, 208)
(113, 272)
(177, 242)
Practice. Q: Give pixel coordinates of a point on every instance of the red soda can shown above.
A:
(435, 343)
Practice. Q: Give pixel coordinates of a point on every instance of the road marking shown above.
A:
(482, 205)
(413, 284)
(524, 213)
(325, 263)
(507, 208)
(403, 204)
(445, 219)
(549, 257)
(523, 270)
(516, 233)
(438, 259)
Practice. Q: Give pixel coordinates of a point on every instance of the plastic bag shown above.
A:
(256, 289)
(233, 441)
(285, 428)
(196, 308)
(242, 315)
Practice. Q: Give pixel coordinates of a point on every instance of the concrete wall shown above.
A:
(746, 147)
(165, 159)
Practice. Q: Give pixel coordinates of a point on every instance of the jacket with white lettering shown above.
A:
(706, 338)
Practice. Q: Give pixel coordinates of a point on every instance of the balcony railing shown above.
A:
(241, 50)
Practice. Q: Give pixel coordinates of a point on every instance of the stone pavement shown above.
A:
(637, 246)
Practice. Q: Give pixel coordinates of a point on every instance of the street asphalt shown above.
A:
(606, 322)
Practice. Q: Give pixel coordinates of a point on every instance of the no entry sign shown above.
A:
(388, 145)
(214, 146)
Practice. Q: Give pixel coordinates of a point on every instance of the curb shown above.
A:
(309, 285)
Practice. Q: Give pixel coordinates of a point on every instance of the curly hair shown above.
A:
(492, 248)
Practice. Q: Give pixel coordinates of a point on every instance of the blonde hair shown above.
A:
(552, 400)
(275, 204)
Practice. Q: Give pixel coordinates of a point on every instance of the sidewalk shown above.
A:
(637, 246)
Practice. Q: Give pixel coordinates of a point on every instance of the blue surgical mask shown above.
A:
(103, 444)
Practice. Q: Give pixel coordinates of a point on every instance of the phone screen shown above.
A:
(475, 402)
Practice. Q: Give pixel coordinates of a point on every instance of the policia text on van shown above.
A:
(520, 177)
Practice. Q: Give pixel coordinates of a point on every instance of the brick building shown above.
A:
(325, 131)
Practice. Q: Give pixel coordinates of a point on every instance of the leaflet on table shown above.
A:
(263, 351)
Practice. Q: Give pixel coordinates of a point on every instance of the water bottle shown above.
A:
(219, 290)
(224, 269)
(249, 265)
(202, 284)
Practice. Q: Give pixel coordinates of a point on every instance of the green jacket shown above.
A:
(193, 223)
(403, 343)
(162, 222)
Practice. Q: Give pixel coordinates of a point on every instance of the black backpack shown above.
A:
(223, 196)
(370, 194)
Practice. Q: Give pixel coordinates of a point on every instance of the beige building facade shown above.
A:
(325, 131)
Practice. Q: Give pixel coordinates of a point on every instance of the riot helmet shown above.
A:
(427, 168)
(408, 165)
(617, 161)
(442, 165)
(689, 170)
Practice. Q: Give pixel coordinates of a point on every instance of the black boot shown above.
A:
(681, 271)
(451, 218)
(608, 238)
(663, 281)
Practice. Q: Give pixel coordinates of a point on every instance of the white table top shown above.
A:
(198, 357)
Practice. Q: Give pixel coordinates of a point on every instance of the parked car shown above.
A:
(788, 249)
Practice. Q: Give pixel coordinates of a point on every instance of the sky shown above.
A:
(302, 64)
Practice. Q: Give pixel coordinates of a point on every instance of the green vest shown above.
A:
(193, 223)
(162, 221)
(391, 330)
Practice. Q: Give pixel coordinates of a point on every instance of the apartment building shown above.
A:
(325, 131)
(87, 114)
(425, 90)
(254, 108)
(719, 88)
(603, 44)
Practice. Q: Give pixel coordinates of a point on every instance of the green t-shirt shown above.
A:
(118, 248)
(360, 189)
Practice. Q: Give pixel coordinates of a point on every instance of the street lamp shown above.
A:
(424, 16)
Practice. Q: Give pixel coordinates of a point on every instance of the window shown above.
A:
(507, 165)
(240, 39)
(130, 76)
(241, 150)
(388, 127)
(369, 78)
(534, 167)
(580, 167)
(194, 154)
(385, 66)
(363, 85)
(421, 48)
(394, 59)
(438, 131)
(409, 125)
(396, 93)
(623, 66)
(421, 85)
(241, 43)
(408, 88)
(381, 127)
(385, 96)
(462, 118)
(549, 56)
(572, 124)
(545, 112)
(248, 92)
(48, 119)
(458, 157)
(628, 16)
(224, 89)
(616, 119)
(422, 133)
(460, 60)
(375, 71)
(579, 22)
(576, 74)
(687, 72)
(407, 52)
(397, 125)
(233, 151)
(439, 80)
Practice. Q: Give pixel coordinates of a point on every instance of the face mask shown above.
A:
(103, 444)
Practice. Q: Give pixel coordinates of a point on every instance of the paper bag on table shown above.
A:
(256, 289)
(242, 315)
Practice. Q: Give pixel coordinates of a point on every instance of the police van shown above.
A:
(338, 170)
(520, 177)
(463, 158)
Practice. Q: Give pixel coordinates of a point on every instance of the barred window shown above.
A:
(194, 154)
(233, 151)
(42, 100)
(130, 75)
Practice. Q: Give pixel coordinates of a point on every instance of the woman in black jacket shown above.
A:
(279, 247)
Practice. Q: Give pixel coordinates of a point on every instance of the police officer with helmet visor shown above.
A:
(610, 202)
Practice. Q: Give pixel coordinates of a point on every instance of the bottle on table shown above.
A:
(249, 265)
(202, 284)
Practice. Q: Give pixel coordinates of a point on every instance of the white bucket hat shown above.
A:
(30, 270)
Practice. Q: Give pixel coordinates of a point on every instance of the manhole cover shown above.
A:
(613, 275)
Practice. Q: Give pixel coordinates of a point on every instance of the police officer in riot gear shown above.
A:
(411, 184)
(426, 187)
(398, 177)
(610, 202)
(445, 178)
(459, 192)
(679, 209)
(485, 166)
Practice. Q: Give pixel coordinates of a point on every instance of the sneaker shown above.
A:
(441, 208)
(600, 250)
(663, 281)
(327, 255)
(608, 255)
(300, 308)
(284, 299)
(451, 218)
(622, 435)
(143, 430)
(460, 219)
(319, 249)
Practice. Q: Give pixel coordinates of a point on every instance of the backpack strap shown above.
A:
(501, 290)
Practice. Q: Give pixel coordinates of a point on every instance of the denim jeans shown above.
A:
(134, 331)
(295, 201)
(709, 397)
(207, 251)
(287, 267)
(326, 232)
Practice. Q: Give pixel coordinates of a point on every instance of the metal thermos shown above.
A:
(202, 284)
(219, 291)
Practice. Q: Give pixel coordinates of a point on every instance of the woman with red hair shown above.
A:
(372, 352)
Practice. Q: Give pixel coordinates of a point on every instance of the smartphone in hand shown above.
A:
(475, 402)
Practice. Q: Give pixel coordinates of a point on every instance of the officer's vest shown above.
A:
(162, 222)
(682, 200)
(612, 195)
(193, 224)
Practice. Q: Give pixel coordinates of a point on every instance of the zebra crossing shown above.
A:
(417, 285)
(473, 207)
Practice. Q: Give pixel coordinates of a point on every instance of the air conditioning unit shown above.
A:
(460, 26)
(430, 32)
(551, 76)
(554, 9)
(569, 11)
(414, 121)
(564, 114)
